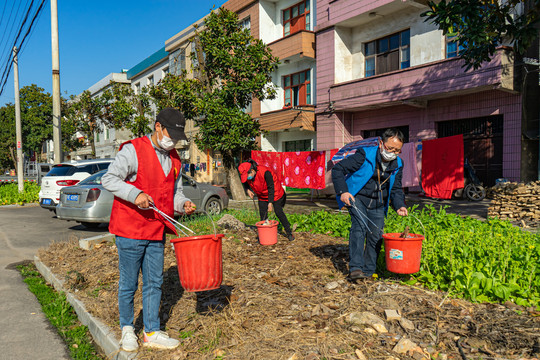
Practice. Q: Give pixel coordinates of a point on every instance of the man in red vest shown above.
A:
(146, 170)
(260, 180)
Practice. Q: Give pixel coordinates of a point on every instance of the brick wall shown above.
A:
(441, 77)
(331, 12)
(325, 65)
(422, 122)
(239, 5)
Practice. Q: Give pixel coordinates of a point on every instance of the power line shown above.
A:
(7, 50)
(21, 44)
(3, 12)
(31, 32)
(7, 38)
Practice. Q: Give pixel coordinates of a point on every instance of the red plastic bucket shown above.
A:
(267, 233)
(199, 262)
(403, 254)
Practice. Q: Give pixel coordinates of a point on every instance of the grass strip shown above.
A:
(61, 315)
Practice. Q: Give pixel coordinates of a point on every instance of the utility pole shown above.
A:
(18, 130)
(57, 130)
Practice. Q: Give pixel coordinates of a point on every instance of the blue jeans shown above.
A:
(145, 256)
(365, 241)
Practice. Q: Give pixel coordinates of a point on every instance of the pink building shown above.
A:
(380, 65)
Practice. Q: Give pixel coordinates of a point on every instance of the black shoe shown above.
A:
(290, 237)
(358, 274)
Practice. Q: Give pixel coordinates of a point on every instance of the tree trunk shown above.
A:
(237, 190)
(13, 158)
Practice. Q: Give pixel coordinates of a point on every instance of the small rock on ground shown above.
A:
(230, 222)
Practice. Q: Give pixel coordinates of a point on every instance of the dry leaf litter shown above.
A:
(293, 301)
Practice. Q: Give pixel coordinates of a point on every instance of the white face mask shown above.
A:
(166, 143)
(387, 155)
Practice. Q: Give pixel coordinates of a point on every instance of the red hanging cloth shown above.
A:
(304, 169)
(442, 166)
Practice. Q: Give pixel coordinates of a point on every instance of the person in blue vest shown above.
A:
(367, 182)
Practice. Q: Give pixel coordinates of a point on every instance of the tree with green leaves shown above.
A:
(116, 107)
(481, 26)
(125, 109)
(84, 114)
(231, 68)
(7, 137)
(36, 124)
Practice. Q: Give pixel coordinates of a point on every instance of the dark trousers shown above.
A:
(365, 239)
(278, 209)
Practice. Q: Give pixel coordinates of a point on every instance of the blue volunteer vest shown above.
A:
(357, 180)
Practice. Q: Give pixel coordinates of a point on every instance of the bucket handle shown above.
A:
(423, 228)
(213, 224)
(176, 224)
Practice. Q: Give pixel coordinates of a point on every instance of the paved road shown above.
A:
(26, 333)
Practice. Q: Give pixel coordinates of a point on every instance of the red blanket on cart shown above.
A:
(442, 166)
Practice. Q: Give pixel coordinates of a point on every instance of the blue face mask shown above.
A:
(250, 177)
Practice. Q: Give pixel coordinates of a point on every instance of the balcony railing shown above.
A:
(416, 85)
(301, 43)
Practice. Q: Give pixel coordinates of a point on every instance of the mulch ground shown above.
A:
(292, 301)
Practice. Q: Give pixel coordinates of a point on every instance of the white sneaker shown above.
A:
(129, 339)
(159, 340)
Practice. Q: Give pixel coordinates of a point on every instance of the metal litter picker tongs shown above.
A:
(178, 226)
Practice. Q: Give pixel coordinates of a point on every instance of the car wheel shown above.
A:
(90, 225)
(213, 206)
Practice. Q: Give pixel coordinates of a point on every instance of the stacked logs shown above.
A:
(516, 202)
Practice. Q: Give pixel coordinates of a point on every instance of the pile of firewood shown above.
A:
(516, 202)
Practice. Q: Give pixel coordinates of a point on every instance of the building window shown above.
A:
(387, 54)
(106, 137)
(97, 137)
(297, 89)
(297, 145)
(453, 47)
(164, 72)
(296, 18)
(151, 80)
(177, 61)
(138, 88)
(245, 23)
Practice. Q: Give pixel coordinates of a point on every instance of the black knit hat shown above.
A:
(174, 121)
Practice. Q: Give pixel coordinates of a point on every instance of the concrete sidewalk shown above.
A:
(26, 332)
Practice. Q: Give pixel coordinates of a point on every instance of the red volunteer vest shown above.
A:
(127, 220)
(258, 184)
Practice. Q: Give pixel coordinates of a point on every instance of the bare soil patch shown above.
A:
(293, 301)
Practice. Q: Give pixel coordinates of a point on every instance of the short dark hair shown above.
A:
(253, 164)
(393, 132)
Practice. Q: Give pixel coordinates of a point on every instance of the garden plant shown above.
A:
(9, 193)
(481, 261)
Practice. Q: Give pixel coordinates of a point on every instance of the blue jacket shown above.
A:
(356, 179)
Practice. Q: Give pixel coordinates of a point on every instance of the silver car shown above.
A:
(90, 204)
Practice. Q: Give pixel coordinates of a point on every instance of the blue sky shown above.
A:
(98, 37)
